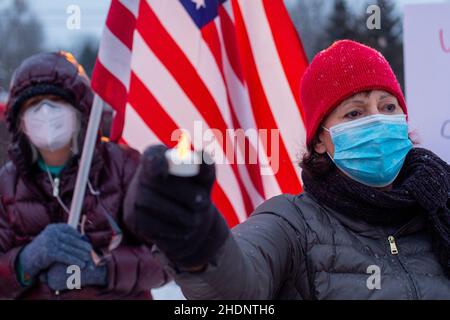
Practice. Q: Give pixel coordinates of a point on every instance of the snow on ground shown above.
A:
(170, 291)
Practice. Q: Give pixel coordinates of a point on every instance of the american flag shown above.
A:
(231, 64)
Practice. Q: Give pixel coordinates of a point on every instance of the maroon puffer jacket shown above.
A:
(27, 204)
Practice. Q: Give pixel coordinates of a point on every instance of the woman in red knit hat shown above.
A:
(372, 223)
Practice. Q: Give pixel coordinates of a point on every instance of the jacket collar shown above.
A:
(39, 182)
(417, 223)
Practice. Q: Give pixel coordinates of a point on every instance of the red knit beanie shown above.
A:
(340, 71)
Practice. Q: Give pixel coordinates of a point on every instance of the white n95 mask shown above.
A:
(50, 125)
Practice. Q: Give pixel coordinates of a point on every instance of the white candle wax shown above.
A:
(183, 167)
(182, 161)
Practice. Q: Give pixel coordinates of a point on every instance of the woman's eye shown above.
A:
(390, 107)
(352, 114)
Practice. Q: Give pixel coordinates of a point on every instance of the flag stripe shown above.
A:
(241, 100)
(149, 109)
(230, 42)
(223, 203)
(137, 132)
(289, 51)
(118, 65)
(226, 71)
(131, 5)
(114, 93)
(142, 100)
(211, 36)
(112, 70)
(124, 31)
(193, 51)
(242, 106)
(169, 94)
(228, 8)
(183, 71)
(284, 170)
(109, 87)
(275, 85)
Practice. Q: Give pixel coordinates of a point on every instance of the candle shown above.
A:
(182, 161)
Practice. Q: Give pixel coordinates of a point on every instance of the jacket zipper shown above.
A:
(394, 251)
(393, 245)
(56, 188)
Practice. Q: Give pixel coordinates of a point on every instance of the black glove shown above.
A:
(175, 213)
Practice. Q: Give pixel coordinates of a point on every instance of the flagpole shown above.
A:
(85, 162)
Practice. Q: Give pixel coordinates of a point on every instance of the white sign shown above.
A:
(427, 70)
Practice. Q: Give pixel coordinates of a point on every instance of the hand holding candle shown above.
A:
(175, 213)
(181, 160)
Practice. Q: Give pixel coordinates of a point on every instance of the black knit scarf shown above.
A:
(422, 187)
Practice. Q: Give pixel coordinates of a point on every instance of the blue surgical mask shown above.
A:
(371, 150)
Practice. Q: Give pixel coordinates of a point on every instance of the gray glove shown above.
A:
(56, 243)
(91, 275)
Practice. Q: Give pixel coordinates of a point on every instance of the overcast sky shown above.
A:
(93, 14)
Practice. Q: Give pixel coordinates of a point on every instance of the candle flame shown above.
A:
(184, 146)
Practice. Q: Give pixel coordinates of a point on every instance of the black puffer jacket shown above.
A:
(294, 248)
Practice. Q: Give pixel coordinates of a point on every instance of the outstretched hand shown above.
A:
(175, 213)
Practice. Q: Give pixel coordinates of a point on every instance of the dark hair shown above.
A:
(315, 163)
